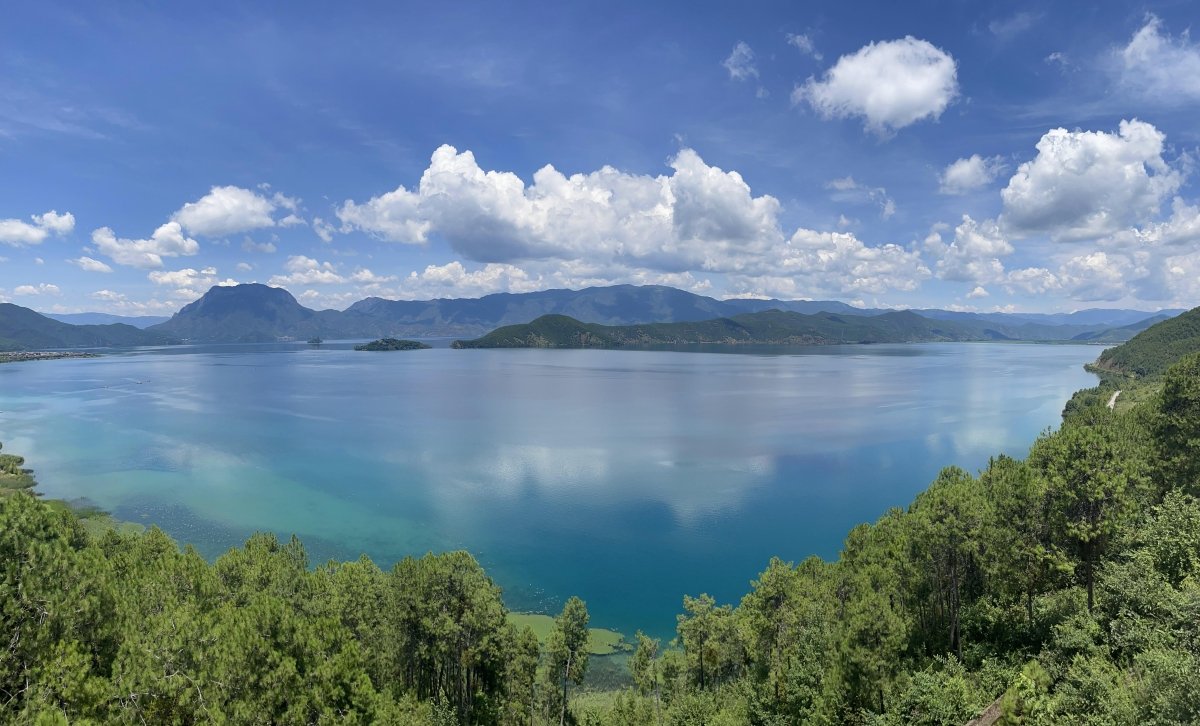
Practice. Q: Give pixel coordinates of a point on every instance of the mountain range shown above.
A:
(768, 327)
(24, 329)
(137, 321)
(256, 313)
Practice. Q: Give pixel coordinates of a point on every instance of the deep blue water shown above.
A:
(626, 477)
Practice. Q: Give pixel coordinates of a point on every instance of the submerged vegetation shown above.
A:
(1062, 588)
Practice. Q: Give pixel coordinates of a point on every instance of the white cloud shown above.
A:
(307, 271)
(668, 223)
(1060, 59)
(90, 265)
(740, 63)
(363, 276)
(250, 245)
(833, 264)
(395, 216)
(846, 189)
(39, 289)
(18, 233)
(1182, 228)
(117, 303)
(977, 293)
(167, 241)
(1097, 276)
(974, 254)
(244, 267)
(453, 279)
(189, 283)
(1032, 281)
(1158, 67)
(608, 225)
(52, 221)
(969, 174)
(229, 210)
(1088, 184)
(1008, 28)
(890, 84)
(804, 44)
(323, 229)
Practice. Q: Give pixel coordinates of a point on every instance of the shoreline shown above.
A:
(25, 355)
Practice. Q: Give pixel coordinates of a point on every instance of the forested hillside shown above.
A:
(1153, 350)
(1063, 588)
(770, 327)
(23, 329)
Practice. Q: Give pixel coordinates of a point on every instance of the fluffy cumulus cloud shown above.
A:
(167, 241)
(974, 253)
(607, 226)
(232, 210)
(969, 174)
(693, 219)
(118, 303)
(303, 270)
(1032, 281)
(1089, 184)
(189, 283)
(455, 280)
(90, 265)
(1098, 276)
(39, 289)
(828, 264)
(890, 84)
(19, 233)
(1160, 68)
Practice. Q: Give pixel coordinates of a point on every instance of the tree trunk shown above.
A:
(562, 717)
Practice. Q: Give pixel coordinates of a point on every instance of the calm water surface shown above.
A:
(626, 477)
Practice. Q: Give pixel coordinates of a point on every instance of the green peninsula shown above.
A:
(1152, 351)
(392, 344)
(770, 327)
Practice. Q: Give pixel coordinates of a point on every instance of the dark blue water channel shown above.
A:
(626, 477)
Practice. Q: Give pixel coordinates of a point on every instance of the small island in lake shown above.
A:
(392, 344)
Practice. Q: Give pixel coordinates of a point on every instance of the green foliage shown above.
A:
(24, 329)
(1027, 701)
(1157, 348)
(390, 344)
(768, 327)
(710, 641)
(1176, 428)
(566, 653)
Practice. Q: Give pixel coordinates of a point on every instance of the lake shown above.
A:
(627, 477)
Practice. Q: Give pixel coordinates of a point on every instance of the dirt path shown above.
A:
(1112, 402)
(989, 716)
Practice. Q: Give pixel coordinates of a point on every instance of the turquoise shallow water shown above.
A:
(626, 477)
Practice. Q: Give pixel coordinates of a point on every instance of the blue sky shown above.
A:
(965, 155)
